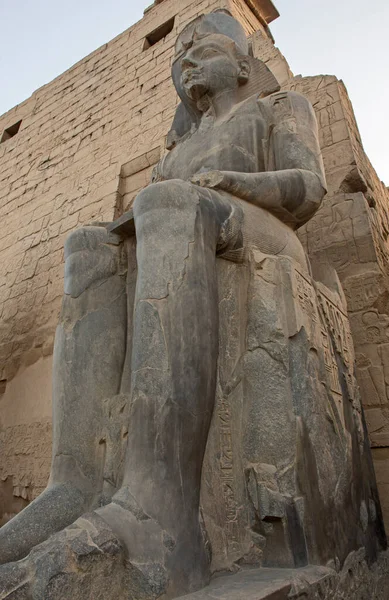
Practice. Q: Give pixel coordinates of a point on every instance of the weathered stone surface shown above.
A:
(248, 506)
(87, 561)
(82, 562)
(287, 436)
(63, 169)
(287, 477)
(84, 383)
(261, 584)
(92, 142)
(356, 581)
(87, 145)
(349, 232)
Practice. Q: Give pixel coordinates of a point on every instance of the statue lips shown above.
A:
(194, 83)
(189, 74)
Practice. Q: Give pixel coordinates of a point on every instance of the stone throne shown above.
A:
(288, 448)
(287, 479)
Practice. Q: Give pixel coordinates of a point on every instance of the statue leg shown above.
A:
(88, 359)
(174, 357)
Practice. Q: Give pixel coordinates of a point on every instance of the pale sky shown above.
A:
(349, 38)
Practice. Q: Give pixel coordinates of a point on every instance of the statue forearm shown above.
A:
(296, 192)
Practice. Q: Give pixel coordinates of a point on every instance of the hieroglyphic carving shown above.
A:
(376, 327)
(307, 298)
(331, 365)
(306, 295)
(25, 458)
(363, 292)
(333, 324)
(380, 250)
(338, 323)
(342, 255)
(227, 476)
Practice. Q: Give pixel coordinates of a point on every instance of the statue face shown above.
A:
(211, 66)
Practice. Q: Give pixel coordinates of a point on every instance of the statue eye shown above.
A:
(210, 53)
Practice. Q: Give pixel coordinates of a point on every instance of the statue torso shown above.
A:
(236, 143)
(239, 142)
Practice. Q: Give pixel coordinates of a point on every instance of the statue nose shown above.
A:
(189, 63)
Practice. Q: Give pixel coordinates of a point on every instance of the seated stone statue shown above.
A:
(136, 351)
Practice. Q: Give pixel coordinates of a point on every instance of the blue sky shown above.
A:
(349, 38)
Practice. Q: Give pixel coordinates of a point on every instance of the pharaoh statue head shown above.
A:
(212, 56)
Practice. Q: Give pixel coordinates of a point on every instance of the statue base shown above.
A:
(287, 476)
(86, 561)
(355, 582)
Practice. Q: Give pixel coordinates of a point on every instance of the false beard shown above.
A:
(195, 91)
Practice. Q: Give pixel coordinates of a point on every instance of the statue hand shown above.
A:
(209, 179)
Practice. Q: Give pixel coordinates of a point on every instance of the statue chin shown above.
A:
(196, 90)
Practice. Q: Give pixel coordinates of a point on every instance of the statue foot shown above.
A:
(172, 560)
(83, 561)
(56, 508)
(87, 560)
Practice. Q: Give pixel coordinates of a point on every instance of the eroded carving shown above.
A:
(138, 367)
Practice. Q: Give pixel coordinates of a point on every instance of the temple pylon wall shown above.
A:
(86, 144)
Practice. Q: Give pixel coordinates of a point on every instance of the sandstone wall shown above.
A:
(86, 144)
(350, 232)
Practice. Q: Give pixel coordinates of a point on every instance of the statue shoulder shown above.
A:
(248, 105)
(287, 104)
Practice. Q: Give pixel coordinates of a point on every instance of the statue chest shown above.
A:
(234, 145)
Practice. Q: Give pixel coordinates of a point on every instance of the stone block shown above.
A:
(282, 419)
(109, 125)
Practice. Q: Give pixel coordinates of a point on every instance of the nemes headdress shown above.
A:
(261, 81)
(220, 22)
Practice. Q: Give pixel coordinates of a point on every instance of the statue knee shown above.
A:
(174, 194)
(85, 238)
(89, 257)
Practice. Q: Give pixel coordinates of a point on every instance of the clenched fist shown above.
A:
(208, 179)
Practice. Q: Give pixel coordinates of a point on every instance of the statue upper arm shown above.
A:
(293, 140)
